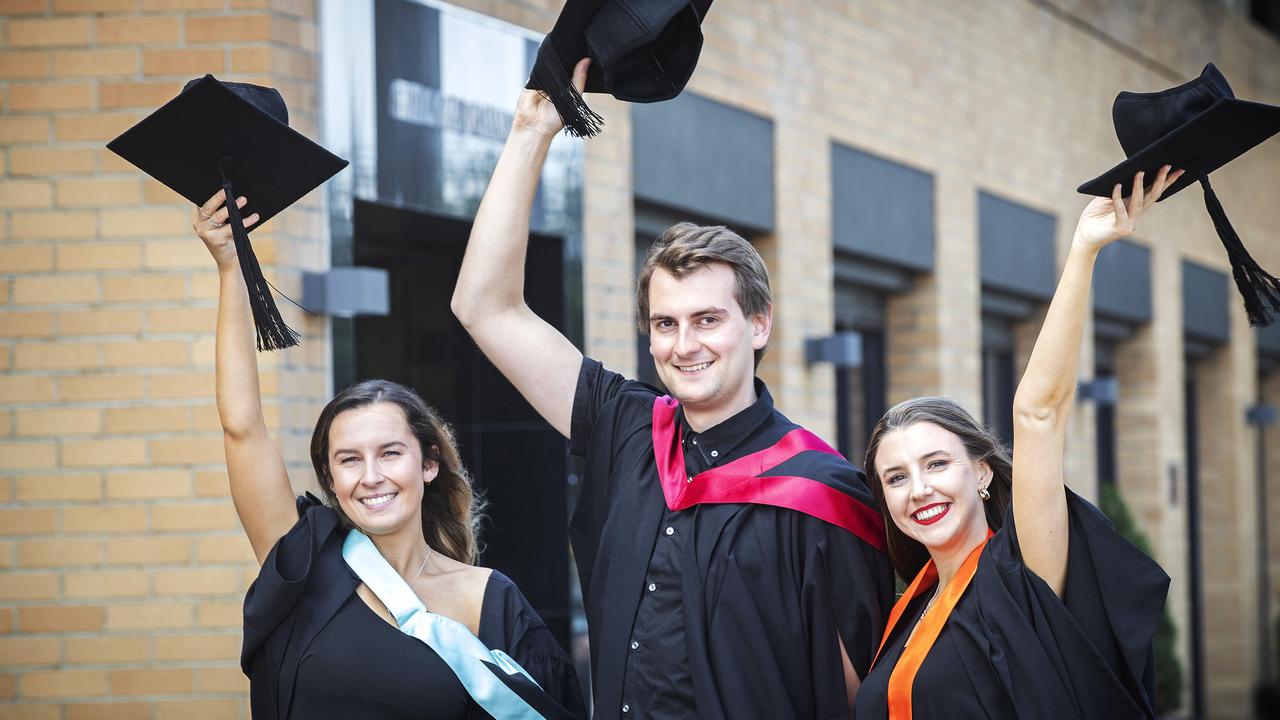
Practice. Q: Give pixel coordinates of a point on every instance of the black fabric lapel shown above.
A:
(334, 583)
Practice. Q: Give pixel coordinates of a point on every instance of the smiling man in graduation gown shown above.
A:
(731, 563)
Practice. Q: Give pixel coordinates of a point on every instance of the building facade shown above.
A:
(906, 168)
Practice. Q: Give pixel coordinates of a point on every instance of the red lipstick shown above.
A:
(933, 519)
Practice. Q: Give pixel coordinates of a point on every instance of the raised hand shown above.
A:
(211, 226)
(535, 112)
(1106, 220)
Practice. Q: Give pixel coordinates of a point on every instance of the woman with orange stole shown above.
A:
(1025, 600)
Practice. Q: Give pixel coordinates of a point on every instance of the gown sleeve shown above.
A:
(1097, 638)
(858, 584)
(597, 386)
(508, 622)
(283, 577)
(847, 592)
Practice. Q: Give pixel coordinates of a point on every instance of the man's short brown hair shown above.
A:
(686, 247)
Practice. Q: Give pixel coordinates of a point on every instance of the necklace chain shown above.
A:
(421, 567)
(927, 607)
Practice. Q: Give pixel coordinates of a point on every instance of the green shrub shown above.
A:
(1168, 667)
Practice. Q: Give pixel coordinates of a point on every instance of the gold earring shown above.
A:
(984, 493)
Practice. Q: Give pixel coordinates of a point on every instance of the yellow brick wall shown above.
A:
(122, 564)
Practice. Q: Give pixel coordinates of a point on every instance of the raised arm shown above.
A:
(1047, 390)
(489, 297)
(259, 484)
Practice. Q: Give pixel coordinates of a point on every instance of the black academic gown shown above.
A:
(1011, 648)
(304, 584)
(765, 589)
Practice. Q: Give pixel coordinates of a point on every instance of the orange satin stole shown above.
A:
(927, 631)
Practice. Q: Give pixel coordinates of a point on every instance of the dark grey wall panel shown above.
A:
(1205, 316)
(694, 154)
(865, 273)
(881, 210)
(1006, 306)
(1017, 248)
(1122, 282)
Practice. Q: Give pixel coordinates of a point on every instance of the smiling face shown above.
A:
(703, 346)
(931, 487)
(378, 470)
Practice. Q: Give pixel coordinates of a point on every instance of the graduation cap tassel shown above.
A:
(549, 74)
(272, 332)
(1260, 289)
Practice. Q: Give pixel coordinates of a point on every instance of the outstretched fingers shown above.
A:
(1157, 187)
(219, 218)
(210, 206)
(580, 74)
(1117, 207)
(1135, 207)
(212, 223)
(1167, 177)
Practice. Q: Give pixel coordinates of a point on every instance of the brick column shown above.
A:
(1225, 382)
(122, 564)
(608, 228)
(799, 257)
(954, 305)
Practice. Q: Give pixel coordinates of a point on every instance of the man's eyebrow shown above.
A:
(710, 310)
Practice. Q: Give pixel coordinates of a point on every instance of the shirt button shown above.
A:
(652, 587)
(694, 441)
(715, 453)
(690, 478)
(671, 530)
(626, 708)
(635, 645)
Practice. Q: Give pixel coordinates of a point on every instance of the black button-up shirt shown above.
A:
(749, 602)
(657, 683)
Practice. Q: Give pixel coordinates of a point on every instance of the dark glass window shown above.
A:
(1105, 426)
(645, 371)
(998, 382)
(1195, 588)
(861, 395)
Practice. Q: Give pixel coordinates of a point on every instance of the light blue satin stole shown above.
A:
(451, 640)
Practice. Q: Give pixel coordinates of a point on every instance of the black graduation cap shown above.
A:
(233, 136)
(1198, 126)
(640, 50)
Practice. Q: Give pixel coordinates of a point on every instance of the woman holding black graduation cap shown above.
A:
(370, 605)
(1053, 619)
(326, 634)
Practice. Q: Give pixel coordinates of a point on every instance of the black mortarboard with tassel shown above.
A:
(640, 50)
(1198, 126)
(233, 136)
